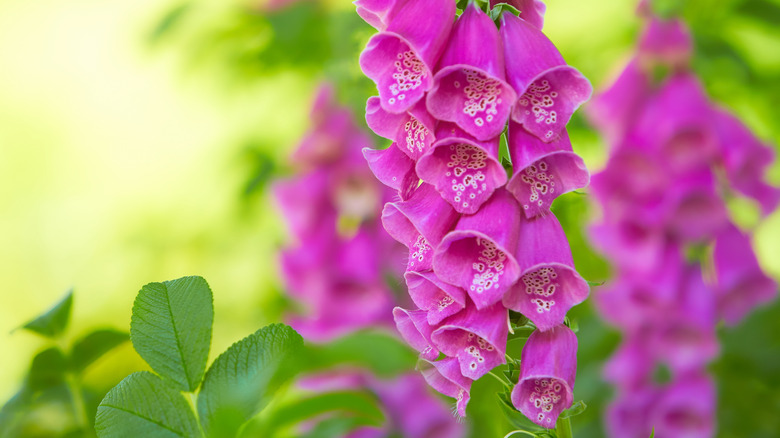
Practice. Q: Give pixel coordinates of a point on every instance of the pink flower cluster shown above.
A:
(681, 265)
(479, 242)
(337, 266)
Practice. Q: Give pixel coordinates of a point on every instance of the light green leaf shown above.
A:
(94, 345)
(350, 404)
(171, 329)
(575, 409)
(52, 323)
(379, 352)
(515, 417)
(242, 380)
(142, 405)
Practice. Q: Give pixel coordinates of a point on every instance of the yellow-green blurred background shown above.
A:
(131, 131)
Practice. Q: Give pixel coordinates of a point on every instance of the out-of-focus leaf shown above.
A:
(576, 409)
(52, 323)
(515, 417)
(12, 412)
(332, 428)
(47, 370)
(360, 406)
(171, 329)
(94, 345)
(142, 405)
(242, 380)
(379, 352)
(168, 22)
(262, 173)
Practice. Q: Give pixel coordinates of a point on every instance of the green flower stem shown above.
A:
(503, 382)
(79, 410)
(563, 428)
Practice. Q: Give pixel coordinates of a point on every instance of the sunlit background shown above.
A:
(137, 139)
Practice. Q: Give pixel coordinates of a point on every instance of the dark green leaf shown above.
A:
(575, 409)
(142, 405)
(94, 345)
(47, 369)
(349, 404)
(52, 323)
(379, 352)
(242, 380)
(171, 329)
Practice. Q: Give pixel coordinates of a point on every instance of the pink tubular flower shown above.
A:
(414, 328)
(685, 409)
(549, 90)
(420, 223)
(411, 131)
(547, 371)
(476, 337)
(438, 298)
(464, 171)
(741, 285)
(477, 255)
(444, 376)
(549, 285)
(469, 87)
(542, 171)
(393, 169)
(400, 59)
(666, 41)
(378, 13)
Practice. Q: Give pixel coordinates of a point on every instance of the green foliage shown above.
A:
(171, 329)
(52, 323)
(143, 405)
(47, 369)
(91, 347)
(381, 353)
(242, 380)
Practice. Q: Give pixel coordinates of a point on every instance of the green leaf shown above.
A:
(515, 417)
(359, 405)
(142, 405)
(242, 380)
(575, 409)
(94, 345)
(379, 352)
(171, 329)
(52, 323)
(47, 369)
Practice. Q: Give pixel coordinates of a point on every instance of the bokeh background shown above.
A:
(138, 137)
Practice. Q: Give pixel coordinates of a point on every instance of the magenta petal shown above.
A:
(631, 365)
(465, 171)
(614, 110)
(685, 409)
(549, 285)
(547, 370)
(469, 88)
(551, 90)
(444, 376)
(666, 41)
(438, 298)
(542, 171)
(477, 255)
(400, 58)
(303, 201)
(414, 328)
(394, 169)
(531, 11)
(412, 131)
(741, 285)
(696, 211)
(378, 13)
(476, 337)
(627, 415)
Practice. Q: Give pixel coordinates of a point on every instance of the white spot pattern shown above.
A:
(416, 133)
(544, 397)
(539, 97)
(409, 74)
(420, 249)
(541, 182)
(466, 162)
(541, 283)
(488, 268)
(481, 96)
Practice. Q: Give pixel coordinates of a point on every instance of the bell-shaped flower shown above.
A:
(631, 365)
(400, 59)
(694, 209)
(438, 298)
(746, 161)
(464, 170)
(549, 90)
(414, 328)
(444, 376)
(614, 110)
(631, 243)
(477, 255)
(531, 11)
(476, 337)
(549, 285)
(741, 285)
(305, 204)
(627, 415)
(685, 337)
(685, 409)
(548, 367)
(393, 169)
(420, 223)
(412, 131)
(378, 13)
(469, 87)
(667, 42)
(542, 171)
